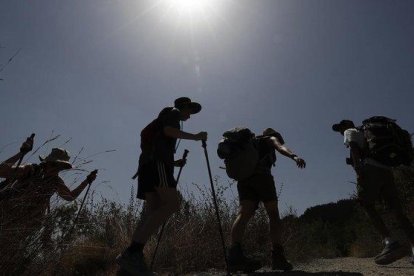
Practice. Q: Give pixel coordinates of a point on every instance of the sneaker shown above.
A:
(239, 262)
(279, 261)
(391, 252)
(132, 263)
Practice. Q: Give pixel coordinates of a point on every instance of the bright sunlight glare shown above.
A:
(192, 8)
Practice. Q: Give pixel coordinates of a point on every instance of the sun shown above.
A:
(189, 6)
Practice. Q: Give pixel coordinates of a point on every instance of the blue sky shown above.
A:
(98, 71)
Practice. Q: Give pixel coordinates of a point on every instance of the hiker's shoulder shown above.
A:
(169, 112)
(266, 141)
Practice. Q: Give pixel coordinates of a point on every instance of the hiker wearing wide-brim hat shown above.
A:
(156, 182)
(58, 158)
(25, 196)
(255, 187)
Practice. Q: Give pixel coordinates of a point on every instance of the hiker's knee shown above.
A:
(247, 210)
(170, 200)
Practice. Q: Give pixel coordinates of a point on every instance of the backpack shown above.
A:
(152, 132)
(239, 152)
(387, 142)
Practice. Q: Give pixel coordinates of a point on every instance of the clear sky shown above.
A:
(98, 71)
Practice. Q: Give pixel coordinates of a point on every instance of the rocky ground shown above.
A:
(337, 267)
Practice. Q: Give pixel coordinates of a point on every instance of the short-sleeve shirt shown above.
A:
(356, 136)
(164, 145)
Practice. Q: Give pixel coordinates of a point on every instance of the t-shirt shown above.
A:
(165, 146)
(356, 136)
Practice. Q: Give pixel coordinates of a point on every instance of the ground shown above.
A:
(337, 267)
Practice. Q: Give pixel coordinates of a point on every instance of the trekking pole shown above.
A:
(216, 206)
(80, 209)
(165, 223)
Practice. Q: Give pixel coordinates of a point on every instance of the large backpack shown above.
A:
(239, 152)
(387, 142)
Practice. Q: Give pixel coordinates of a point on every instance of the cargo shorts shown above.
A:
(258, 187)
(375, 183)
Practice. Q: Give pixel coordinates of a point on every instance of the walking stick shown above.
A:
(165, 223)
(80, 209)
(216, 206)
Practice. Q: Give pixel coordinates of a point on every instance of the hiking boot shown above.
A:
(279, 261)
(239, 262)
(391, 252)
(132, 263)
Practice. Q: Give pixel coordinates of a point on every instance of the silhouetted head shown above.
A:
(186, 107)
(56, 161)
(342, 126)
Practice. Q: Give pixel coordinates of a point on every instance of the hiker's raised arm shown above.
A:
(64, 192)
(7, 170)
(179, 134)
(282, 149)
(12, 160)
(6, 167)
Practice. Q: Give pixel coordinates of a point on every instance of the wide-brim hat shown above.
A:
(59, 157)
(342, 124)
(185, 102)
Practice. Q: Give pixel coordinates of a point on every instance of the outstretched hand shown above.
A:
(300, 162)
(180, 163)
(91, 176)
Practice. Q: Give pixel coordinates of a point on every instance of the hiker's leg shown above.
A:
(370, 184)
(274, 222)
(167, 203)
(376, 219)
(279, 261)
(246, 211)
(391, 196)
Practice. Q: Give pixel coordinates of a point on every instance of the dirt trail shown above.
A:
(338, 267)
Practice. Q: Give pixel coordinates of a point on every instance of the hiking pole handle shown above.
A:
(204, 143)
(185, 154)
(31, 137)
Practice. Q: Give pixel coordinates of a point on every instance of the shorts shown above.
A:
(258, 187)
(154, 174)
(376, 183)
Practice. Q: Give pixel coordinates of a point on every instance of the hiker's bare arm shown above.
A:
(176, 133)
(7, 170)
(64, 192)
(13, 159)
(287, 152)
